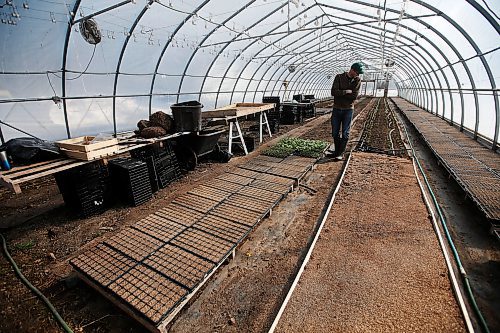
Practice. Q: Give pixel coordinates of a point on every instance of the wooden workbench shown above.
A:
(13, 178)
(232, 112)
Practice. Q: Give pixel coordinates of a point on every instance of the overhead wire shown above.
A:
(50, 83)
(85, 70)
(491, 10)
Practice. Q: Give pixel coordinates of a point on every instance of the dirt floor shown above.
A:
(42, 237)
(245, 293)
(242, 297)
(375, 269)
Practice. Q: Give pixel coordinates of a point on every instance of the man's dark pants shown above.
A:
(341, 118)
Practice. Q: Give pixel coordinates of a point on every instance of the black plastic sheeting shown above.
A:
(30, 150)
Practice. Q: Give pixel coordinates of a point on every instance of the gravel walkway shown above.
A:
(377, 266)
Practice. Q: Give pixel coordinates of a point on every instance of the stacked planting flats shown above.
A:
(85, 188)
(290, 114)
(163, 166)
(130, 180)
(274, 115)
(154, 267)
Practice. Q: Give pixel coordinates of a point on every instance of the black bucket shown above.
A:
(187, 116)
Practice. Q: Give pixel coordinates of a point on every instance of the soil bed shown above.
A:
(377, 265)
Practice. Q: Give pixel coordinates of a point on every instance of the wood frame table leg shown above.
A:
(267, 124)
(260, 126)
(241, 136)
(230, 143)
(263, 120)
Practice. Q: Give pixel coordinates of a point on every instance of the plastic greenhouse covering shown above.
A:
(71, 68)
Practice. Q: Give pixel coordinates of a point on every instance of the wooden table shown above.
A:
(231, 113)
(13, 178)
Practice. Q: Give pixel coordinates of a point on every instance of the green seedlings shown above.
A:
(296, 146)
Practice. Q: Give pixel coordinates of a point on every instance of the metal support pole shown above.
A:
(1, 135)
(102, 11)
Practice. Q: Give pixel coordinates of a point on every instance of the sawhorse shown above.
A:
(233, 122)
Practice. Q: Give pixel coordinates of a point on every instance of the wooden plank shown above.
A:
(46, 173)
(237, 110)
(30, 166)
(38, 169)
(8, 184)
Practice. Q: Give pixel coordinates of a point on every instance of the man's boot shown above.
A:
(336, 142)
(342, 145)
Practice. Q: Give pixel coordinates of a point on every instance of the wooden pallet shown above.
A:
(13, 178)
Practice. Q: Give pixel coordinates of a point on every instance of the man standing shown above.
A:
(345, 90)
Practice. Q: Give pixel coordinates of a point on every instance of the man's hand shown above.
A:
(348, 91)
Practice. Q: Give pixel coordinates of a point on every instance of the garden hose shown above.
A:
(37, 292)
(463, 273)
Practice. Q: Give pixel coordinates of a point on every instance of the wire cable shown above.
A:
(85, 70)
(48, 78)
(486, 4)
(37, 292)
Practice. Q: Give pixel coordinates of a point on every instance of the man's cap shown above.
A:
(358, 67)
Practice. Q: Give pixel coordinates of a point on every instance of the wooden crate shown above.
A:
(81, 148)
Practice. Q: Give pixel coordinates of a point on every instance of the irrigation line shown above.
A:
(453, 249)
(37, 292)
(451, 270)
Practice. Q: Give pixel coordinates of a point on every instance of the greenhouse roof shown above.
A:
(73, 68)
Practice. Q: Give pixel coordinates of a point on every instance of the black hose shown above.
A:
(37, 292)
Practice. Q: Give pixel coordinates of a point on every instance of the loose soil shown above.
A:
(376, 266)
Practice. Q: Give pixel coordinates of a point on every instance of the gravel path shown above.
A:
(377, 266)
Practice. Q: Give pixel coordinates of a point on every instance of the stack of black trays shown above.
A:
(85, 189)
(291, 114)
(299, 98)
(274, 115)
(130, 180)
(163, 166)
(307, 110)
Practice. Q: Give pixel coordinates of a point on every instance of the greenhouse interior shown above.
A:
(250, 166)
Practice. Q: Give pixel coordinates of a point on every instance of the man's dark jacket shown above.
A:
(341, 83)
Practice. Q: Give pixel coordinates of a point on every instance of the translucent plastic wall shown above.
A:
(441, 55)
